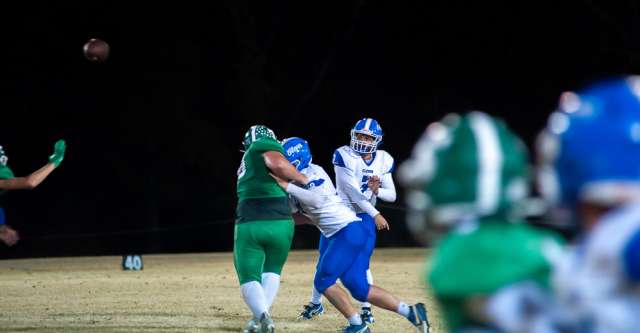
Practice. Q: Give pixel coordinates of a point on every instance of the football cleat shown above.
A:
(362, 328)
(367, 315)
(311, 310)
(418, 317)
(266, 324)
(251, 327)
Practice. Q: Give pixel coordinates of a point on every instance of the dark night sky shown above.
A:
(153, 134)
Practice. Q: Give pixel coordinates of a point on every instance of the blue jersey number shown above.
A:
(365, 183)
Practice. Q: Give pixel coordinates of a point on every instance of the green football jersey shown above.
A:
(259, 195)
(480, 261)
(5, 173)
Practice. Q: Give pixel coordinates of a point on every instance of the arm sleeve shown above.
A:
(387, 190)
(305, 196)
(344, 176)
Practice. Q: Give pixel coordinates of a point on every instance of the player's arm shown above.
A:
(299, 219)
(345, 177)
(34, 179)
(387, 189)
(280, 167)
(308, 198)
(28, 182)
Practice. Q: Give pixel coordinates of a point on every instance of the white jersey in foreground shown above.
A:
(597, 283)
(320, 203)
(352, 176)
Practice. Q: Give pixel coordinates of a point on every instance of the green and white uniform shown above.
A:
(264, 226)
(478, 262)
(468, 176)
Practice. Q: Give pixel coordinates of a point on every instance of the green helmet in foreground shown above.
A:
(255, 133)
(464, 167)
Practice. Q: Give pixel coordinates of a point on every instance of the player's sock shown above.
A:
(355, 319)
(253, 295)
(270, 285)
(316, 296)
(403, 309)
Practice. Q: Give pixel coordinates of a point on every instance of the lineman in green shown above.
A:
(264, 226)
(468, 180)
(9, 182)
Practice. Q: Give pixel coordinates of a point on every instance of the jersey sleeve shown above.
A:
(389, 164)
(339, 160)
(345, 179)
(387, 190)
(307, 197)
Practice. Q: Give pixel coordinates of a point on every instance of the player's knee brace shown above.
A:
(358, 287)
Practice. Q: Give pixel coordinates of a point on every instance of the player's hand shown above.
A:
(374, 184)
(8, 235)
(381, 222)
(283, 183)
(58, 153)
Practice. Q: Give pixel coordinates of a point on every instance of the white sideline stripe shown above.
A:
(253, 134)
(490, 161)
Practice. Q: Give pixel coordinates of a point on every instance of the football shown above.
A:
(96, 50)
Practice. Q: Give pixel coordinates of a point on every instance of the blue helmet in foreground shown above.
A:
(297, 151)
(590, 149)
(369, 127)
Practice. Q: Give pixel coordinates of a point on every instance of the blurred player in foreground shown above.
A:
(9, 182)
(349, 245)
(467, 181)
(264, 226)
(363, 175)
(590, 170)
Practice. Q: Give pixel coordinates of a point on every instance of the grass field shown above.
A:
(182, 293)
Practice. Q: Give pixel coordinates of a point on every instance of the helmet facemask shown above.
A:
(364, 146)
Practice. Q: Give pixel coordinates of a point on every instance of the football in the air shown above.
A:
(96, 50)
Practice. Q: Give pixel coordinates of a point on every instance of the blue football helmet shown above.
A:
(369, 127)
(297, 151)
(590, 149)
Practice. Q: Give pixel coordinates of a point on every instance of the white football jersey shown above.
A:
(592, 283)
(381, 164)
(332, 214)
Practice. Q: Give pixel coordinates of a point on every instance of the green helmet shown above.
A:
(465, 167)
(3, 157)
(255, 133)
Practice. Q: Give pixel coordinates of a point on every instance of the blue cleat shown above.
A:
(418, 317)
(311, 310)
(367, 315)
(362, 328)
